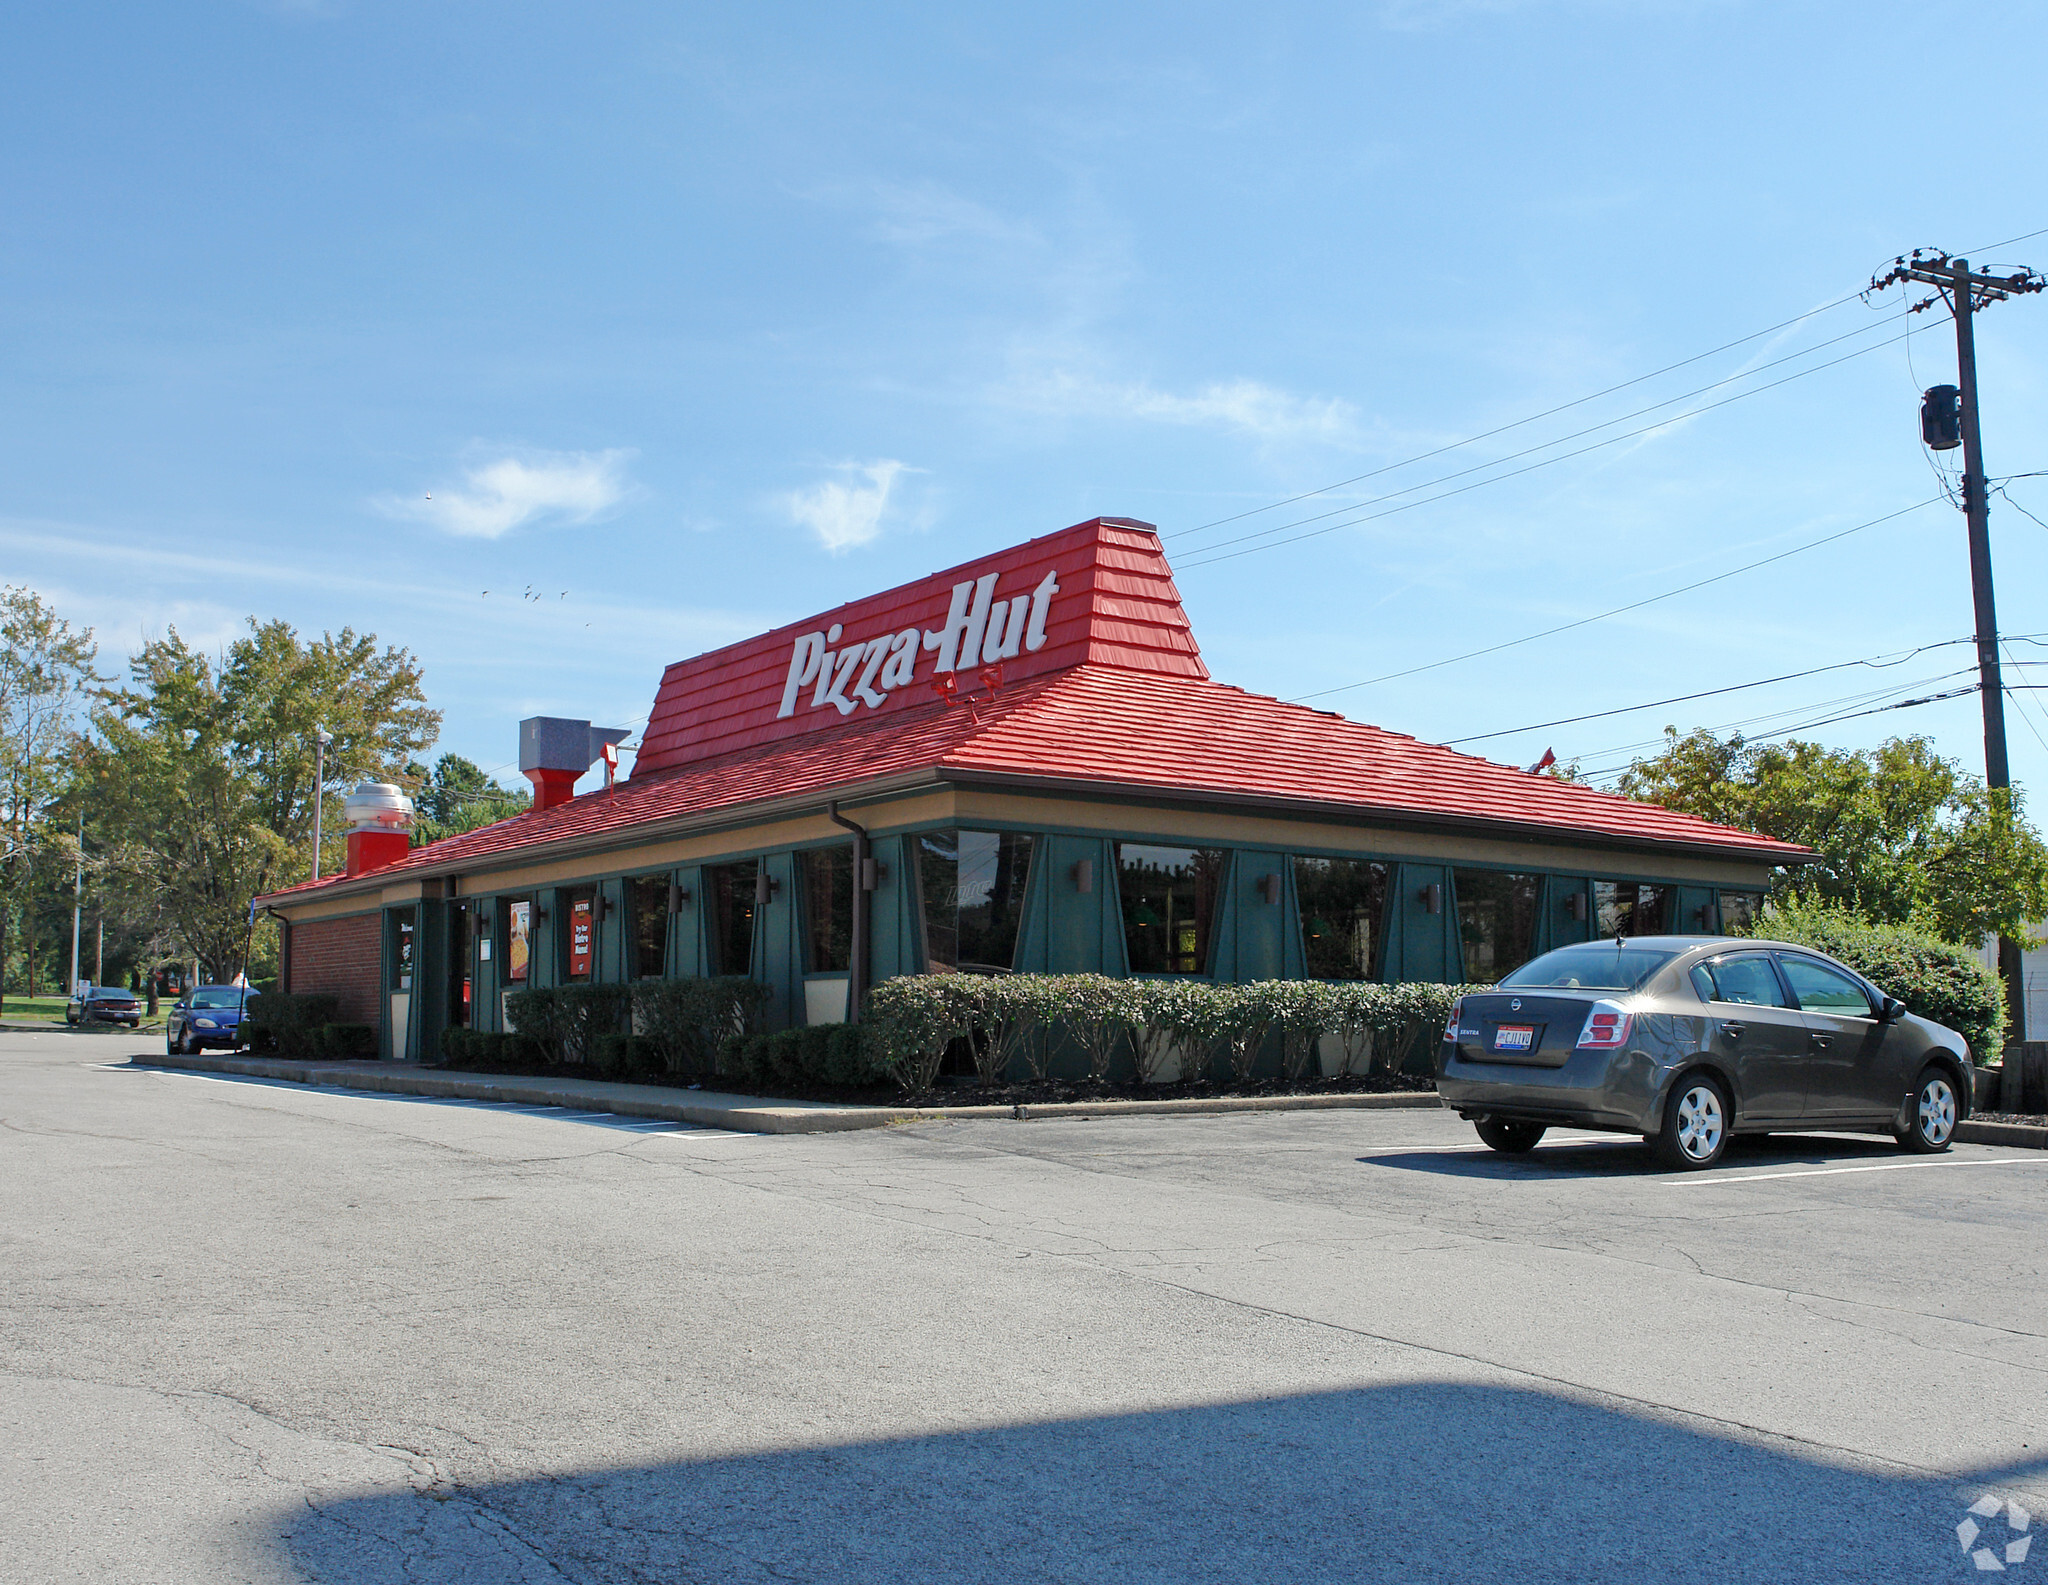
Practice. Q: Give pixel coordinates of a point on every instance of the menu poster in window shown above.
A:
(579, 938)
(519, 934)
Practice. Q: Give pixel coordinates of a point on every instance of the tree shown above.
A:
(1902, 834)
(202, 774)
(46, 670)
(456, 796)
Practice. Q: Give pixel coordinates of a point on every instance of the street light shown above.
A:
(321, 738)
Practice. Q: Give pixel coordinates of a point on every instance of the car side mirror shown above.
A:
(1893, 1010)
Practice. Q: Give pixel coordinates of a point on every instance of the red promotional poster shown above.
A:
(579, 938)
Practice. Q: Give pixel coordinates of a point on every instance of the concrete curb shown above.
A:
(744, 1114)
(2026, 1135)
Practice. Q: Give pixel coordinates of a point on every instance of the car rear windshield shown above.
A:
(221, 999)
(1590, 966)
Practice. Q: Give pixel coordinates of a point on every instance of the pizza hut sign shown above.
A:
(979, 630)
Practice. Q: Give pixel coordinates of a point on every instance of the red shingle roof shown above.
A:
(1092, 726)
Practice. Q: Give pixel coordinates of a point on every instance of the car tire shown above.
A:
(1931, 1112)
(1697, 1119)
(1508, 1137)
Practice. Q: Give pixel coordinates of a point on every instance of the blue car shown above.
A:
(207, 1015)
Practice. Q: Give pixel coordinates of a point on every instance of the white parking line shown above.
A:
(1881, 1166)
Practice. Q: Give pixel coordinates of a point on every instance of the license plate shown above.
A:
(1513, 1037)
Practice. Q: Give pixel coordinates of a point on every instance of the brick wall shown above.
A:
(343, 956)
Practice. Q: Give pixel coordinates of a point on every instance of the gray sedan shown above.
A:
(1688, 1040)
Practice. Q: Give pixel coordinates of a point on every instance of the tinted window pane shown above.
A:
(1591, 966)
(1746, 980)
(518, 939)
(729, 915)
(972, 884)
(650, 927)
(1822, 988)
(1342, 902)
(1739, 911)
(401, 949)
(1169, 903)
(1627, 908)
(826, 876)
(1496, 921)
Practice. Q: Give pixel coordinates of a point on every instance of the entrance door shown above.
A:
(461, 1013)
(1754, 1028)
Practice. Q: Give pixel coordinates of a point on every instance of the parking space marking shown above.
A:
(1879, 1166)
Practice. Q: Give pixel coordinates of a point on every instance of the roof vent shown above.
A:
(554, 753)
(379, 826)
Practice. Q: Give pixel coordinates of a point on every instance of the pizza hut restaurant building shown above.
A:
(1020, 763)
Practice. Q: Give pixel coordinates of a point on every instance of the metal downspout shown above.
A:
(863, 901)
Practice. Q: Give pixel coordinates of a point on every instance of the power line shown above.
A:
(1548, 412)
(1710, 693)
(1634, 605)
(1591, 429)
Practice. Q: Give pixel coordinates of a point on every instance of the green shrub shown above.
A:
(688, 1019)
(846, 1056)
(347, 1042)
(1934, 978)
(622, 1056)
(290, 1025)
(589, 1011)
(911, 1020)
(537, 1015)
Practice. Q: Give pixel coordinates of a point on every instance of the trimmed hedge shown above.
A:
(1934, 978)
(911, 1021)
(818, 1054)
(687, 1019)
(347, 1042)
(491, 1051)
(292, 1025)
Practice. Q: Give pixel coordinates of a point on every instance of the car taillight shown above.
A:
(1606, 1028)
(1451, 1028)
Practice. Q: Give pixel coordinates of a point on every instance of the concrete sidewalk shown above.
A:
(746, 1114)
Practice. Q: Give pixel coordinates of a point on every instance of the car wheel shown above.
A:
(1931, 1114)
(1509, 1138)
(1695, 1131)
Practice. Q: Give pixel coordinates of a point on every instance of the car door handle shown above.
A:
(1820, 1042)
(1732, 1031)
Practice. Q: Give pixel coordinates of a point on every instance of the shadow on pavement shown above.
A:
(1441, 1481)
(1623, 1155)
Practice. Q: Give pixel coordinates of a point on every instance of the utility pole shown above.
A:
(1965, 291)
(321, 738)
(77, 903)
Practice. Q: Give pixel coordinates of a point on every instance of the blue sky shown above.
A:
(692, 320)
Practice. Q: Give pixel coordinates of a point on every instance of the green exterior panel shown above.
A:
(1421, 945)
(1068, 931)
(1686, 918)
(778, 944)
(689, 943)
(1293, 955)
(1252, 933)
(1555, 926)
(897, 946)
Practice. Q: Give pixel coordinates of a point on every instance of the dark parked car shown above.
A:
(104, 1004)
(1688, 1040)
(207, 1015)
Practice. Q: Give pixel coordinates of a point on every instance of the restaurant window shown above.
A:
(1169, 903)
(1496, 921)
(518, 940)
(826, 878)
(729, 915)
(1342, 902)
(401, 948)
(1627, 908)
(1739, 912)
(579, 941)
(649, 896)
(972, 887)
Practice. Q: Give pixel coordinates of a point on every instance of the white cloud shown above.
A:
(1247, 407)
(566, 486)
(910, 216)
(845, 513)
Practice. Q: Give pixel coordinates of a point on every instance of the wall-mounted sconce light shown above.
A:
(871, 873)
(1432, 898)
(483, 920)
(678, 894)
(1084, 875)
(602, 907)
(1704, 913)
(1575, 906)
(1269, 887)
(765, 887)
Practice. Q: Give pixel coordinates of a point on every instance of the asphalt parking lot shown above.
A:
(257, 1332)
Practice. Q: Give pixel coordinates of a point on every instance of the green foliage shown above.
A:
(490, 1051)
(457, 796)
(1301, 1011)
(292, 1025)
(566, 1021)
(911, 1020)
(1934, 978)
(200, 773)
(686, 1019)
(536, 1013)
(1902, 834)
(817, 1054)
(621, 1056)
(347, 1042)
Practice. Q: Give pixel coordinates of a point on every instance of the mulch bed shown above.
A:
(2031, 1119)
(1047, 1092)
